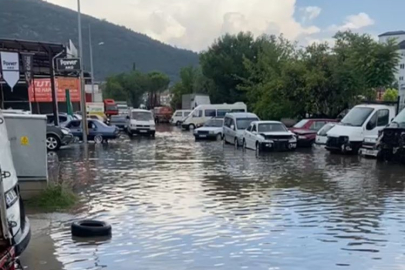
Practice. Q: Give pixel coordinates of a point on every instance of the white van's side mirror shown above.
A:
(233, 127)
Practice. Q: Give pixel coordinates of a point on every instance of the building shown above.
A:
(399, 37)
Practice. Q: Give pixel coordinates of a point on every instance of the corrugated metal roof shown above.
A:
(392, 33)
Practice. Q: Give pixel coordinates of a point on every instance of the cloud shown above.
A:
(194, 24)
(353, 22)
(310, 13)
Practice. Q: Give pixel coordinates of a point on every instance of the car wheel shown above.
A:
(258, 150)
(90, 228)
(178, 123)
(52, 142)
(98, 139)
(191, 127)
(219, 137)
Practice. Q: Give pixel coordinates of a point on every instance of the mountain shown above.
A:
(41, 21)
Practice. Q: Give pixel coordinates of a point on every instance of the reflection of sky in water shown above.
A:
(177, 204)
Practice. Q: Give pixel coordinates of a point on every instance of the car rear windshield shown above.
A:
(301, 123)
(271, 127)
(357, 116)
(214, 123)
(112, 108)
(244, 123)
(142, 116)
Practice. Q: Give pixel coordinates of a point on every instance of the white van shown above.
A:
(362, 121)
(178, 117)
(140, 122)
(203, 113)
(235, 125)
(14, 225)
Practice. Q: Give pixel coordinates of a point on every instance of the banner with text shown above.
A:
(40, 90)
(10, 67)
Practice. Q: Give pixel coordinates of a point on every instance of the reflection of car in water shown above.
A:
(141, 122)
(268, 135)
(391, 143)
(211, 130)
(307, 129)
(98, 131)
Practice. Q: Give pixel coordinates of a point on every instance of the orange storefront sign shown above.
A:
(43, 92)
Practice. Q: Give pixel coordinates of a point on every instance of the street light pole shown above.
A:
(91, 65)
(82, 90)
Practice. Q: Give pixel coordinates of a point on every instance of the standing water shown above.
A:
(178, 204)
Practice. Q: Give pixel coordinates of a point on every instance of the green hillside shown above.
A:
(41, 21)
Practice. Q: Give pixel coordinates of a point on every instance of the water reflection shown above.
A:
(177, 204)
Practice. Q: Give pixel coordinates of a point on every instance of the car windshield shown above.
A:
(400, 119)
(357, 116)
(271, 127)
(111, 108)
(301, 123)
(323, 131)
(214, 123)
(142, 116)
(244, 123)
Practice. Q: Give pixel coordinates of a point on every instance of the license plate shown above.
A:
(369, 152)
(10, 197)
(302, 137)
(203, 136)
(143, 131)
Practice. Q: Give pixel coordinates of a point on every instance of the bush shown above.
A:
(55, 197)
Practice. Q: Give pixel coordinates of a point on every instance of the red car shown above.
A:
(306, 130)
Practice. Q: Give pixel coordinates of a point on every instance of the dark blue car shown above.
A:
(98, 131)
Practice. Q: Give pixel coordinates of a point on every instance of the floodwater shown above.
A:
(174, 203)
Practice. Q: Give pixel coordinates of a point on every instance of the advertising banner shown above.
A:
(68, 64)
(10, 67)
(43, 90)
(27, 60)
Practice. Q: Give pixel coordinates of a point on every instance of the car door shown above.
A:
(246, 136)
(75, 128)
(226, 126)
(253, 136)
(93, 131)
(377, 122)
(232, 131)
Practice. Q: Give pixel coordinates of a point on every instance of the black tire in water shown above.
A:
(90, 228)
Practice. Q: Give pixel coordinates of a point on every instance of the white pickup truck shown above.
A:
(362, 121)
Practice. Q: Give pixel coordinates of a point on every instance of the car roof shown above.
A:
(242, 115)
(267, 122)
(140, 110)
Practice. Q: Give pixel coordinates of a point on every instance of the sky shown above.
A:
(195, 24)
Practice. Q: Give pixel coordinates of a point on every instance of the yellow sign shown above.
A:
(24, 140)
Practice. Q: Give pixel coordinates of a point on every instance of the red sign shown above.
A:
(43, 90)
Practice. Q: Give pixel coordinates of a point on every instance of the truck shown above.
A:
(191, 101)
(162, 114)
(123, 108)
(110, 107)
(361, 122)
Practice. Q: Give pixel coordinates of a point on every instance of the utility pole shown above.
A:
(91, 65)
(82, 90)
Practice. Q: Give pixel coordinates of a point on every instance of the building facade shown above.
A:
(399, 37)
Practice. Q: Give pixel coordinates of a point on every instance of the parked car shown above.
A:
(178, 117)
(119, 121)
(57, 136)
(203, 113)
(98, 131)
(391, 140)
(97, 117)
(212, 129)
(369, 147)
(269, 135)
(307, 129)
(64, 118)
(322, 135)
(141, 122)
(235, 125)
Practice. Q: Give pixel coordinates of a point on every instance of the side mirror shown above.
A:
(232, 127)
(370, 125)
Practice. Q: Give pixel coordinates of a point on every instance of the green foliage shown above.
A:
(191, 81)
(55, 197)
(390, 95)
(132, 86)
(41, 21)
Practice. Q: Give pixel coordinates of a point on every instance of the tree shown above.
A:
(223, 63)
(390, 95)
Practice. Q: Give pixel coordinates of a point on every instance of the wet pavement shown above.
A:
(178, 204)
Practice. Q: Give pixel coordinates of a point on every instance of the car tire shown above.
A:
(258, 150)
(152, 135)
(178, 123)
(191, 127)
(235, 143)
(53, 142)
(98, 139)
(90, 228)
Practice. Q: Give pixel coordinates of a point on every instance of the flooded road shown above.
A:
(178, 204)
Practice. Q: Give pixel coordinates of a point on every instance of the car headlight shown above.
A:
(370, 140)
(212, 132)
(65, 131)
(293, 139)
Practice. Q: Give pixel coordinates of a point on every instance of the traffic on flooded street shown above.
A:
(175, 203)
